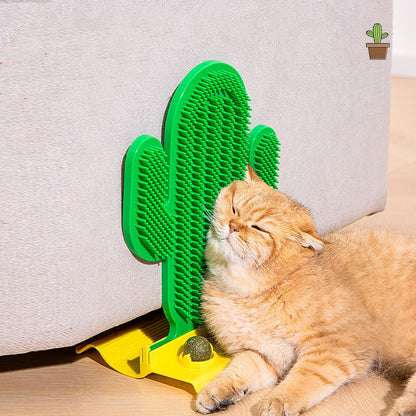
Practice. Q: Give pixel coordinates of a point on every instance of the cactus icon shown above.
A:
(377, 50)
(170, 188)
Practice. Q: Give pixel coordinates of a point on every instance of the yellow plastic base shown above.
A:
(121, 348)
(128, 351)
(169, 361)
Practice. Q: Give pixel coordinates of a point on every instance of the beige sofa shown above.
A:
(81, 81)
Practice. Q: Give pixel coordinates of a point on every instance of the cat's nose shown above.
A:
(233, 228)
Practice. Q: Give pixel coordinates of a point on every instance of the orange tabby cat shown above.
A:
(298, 312)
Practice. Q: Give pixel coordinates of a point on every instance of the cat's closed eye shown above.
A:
(258, 228)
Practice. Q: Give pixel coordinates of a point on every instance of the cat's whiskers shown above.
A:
(213, 220)
(245, 250)
(259, 264)
(209, 215)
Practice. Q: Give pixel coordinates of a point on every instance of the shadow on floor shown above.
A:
(68, 355)
(38, 359)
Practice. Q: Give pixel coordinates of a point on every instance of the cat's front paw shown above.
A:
(216, 397)
(271, 406)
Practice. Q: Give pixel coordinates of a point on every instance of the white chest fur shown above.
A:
(248, 325)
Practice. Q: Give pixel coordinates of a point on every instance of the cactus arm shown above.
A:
(150, 230)
(384, 35)
(370, 33)
(264, 153)
(148, 235)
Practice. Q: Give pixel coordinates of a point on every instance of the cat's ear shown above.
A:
(251, 175)
(310, 240)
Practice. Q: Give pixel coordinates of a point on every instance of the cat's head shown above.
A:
(256, 226)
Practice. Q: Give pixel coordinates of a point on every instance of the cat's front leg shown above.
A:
(246, 373)
(313, 377)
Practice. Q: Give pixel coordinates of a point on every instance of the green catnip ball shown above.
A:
(198, 348)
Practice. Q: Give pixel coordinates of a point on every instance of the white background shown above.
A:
(404, 38)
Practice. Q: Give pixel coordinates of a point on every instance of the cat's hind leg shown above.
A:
(246, 373)
(405, 405)
(315, 375)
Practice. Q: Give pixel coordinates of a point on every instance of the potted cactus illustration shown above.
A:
(377, 50)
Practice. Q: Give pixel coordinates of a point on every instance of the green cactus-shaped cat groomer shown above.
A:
(170, 189)
(377, 50)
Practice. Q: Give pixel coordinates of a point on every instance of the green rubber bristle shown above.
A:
(170, 188)
(265, 156)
